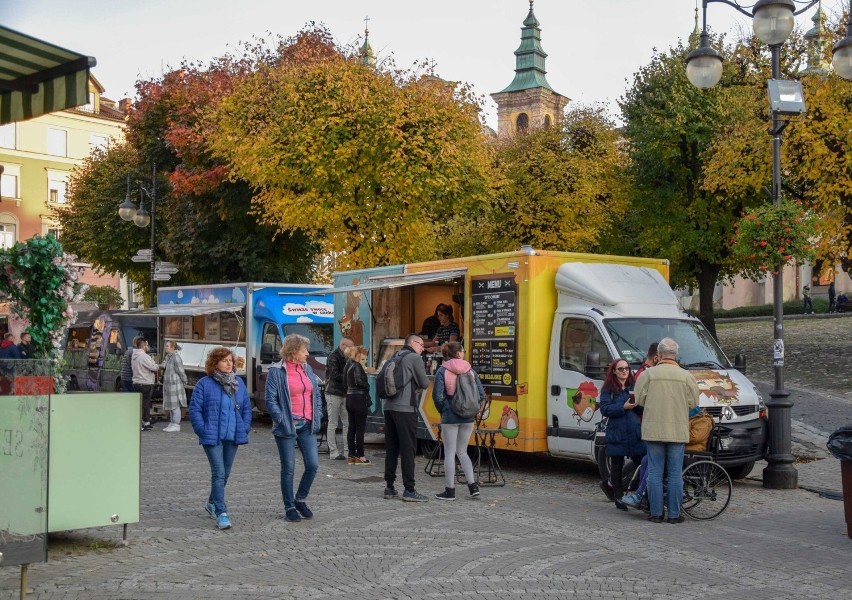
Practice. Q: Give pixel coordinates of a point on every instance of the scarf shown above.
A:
(228, 381)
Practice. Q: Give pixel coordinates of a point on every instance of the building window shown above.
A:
(57, 142)
(547, 122)
(98, 142)
(9, 187)
(57, 186)
(54, 231)
(7, 233)
(7, 136)
(522, 123)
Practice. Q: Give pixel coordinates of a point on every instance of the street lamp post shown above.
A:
(773, 22)
(128, 211)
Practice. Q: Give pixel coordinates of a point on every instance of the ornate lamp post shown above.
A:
(128, 211)
(773, 22)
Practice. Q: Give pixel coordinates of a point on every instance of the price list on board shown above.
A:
(493, 327)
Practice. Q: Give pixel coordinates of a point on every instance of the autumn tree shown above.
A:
(670, 128)
(368, 161)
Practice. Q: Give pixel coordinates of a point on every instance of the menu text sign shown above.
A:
(493, 327)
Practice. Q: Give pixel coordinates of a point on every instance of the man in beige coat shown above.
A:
(667, 392)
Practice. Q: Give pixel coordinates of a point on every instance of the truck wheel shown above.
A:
(73, 385)
(740, 471)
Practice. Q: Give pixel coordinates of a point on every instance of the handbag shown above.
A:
(700, 427)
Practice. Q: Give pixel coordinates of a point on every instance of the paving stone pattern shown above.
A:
(548, 534)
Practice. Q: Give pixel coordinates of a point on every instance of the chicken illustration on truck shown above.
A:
(540, 329)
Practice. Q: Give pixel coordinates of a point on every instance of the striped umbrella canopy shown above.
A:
(38, 78)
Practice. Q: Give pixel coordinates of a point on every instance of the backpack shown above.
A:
(465, 402)
(389, 381)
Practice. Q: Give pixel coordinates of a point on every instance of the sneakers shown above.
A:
(654, 519)
(146, 426)
(339, 457)
(413, 496)
(632, 500)
(447, 494)
(675, 520)
(353, 460)
(303, 510)
(390, 493)
(292, 515)
(223, 522)
(474, 489)
(361, 460)
(620, 505)
(606, 488)
(171, 427)
(211, 510)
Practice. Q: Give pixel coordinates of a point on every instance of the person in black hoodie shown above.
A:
(26, 345)
(335, 396)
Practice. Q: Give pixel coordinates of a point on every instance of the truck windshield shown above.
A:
(320, 335)
(149, 333)
(698, 349)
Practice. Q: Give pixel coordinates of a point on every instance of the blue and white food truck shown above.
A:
(251, 319)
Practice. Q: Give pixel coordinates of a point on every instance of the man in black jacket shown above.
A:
(335, 396)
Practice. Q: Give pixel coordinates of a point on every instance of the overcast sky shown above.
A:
(594, 46)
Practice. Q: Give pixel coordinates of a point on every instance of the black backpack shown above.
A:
(465, 402)
(389, 381)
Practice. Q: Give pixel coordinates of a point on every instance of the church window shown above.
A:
(522, 124)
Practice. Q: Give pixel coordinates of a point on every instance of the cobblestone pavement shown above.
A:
(548, 534)
(818, 364)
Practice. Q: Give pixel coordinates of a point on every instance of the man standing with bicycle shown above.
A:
(667, 392)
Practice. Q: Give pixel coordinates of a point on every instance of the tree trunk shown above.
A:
(707, 277)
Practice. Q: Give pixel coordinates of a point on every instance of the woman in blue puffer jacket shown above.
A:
(623, 427)
(220, 413)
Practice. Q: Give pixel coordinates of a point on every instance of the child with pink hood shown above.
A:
(455, 430)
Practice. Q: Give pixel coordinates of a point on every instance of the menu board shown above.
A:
(493, 327)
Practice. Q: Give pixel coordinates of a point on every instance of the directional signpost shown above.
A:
(142, 255)
(163, 270)
(161, 277)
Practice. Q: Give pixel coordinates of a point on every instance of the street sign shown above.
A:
(161, 277)
(138, 258)
(144, 252)
(165, 267)
(171, 271)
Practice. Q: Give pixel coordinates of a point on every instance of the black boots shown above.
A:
(447, 494)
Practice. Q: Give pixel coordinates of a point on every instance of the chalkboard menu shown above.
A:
(493, 327)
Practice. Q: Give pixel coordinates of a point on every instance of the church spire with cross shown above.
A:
(818, 40)
(528, 102)
(366, 56)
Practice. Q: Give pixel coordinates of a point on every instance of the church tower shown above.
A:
(366, 56)
(818, 40)
(528, 102)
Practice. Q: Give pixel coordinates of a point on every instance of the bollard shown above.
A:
(846, 477)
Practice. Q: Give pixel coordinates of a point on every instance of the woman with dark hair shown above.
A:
(623, 427)
(294, 402)
(448, 330)
(220, 413)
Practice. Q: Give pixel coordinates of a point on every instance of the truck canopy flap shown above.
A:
(384, 282)
(612, 285)
(187, 310)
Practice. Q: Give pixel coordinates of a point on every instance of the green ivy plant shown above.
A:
(769, 237)
(41, 281)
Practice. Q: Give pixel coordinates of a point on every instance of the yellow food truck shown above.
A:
(540, 328)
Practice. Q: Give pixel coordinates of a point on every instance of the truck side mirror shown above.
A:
(740, 363)
(593, 365)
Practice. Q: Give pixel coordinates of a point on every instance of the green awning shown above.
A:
(37, 78)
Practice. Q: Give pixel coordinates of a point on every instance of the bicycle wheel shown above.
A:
(707, 490)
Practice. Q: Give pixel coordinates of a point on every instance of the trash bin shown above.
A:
(840, 445)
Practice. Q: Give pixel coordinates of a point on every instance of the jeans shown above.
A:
(400, 443)
(668, 457)
(643, 476)
(146, 390)
(807, 305)
(336, 410)
(287, 454)
(355, 435)
(221, 459)
(456, 439)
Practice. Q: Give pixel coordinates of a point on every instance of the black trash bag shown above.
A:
(840, 443)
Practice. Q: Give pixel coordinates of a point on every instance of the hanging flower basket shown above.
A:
(769, 237)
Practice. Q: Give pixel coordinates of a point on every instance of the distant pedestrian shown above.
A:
(651, 359)
(832, 298)
(401, 422)
(667, 393)
(127, 368)
(455, 430)
(26, 345)
(623, 427)
(335, 397)
(8, 349)
(174, 385)
(807, 303)
(294, 402)
(358, 403)
(220, 413)
(144, 377)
